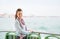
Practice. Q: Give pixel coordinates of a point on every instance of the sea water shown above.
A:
(50, 24)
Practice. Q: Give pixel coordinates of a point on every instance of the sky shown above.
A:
(31, 7)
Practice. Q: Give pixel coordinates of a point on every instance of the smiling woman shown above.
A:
(21, 28)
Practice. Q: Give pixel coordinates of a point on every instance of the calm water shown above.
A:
(42, 24)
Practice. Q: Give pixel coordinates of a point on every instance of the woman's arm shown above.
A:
(26, 26)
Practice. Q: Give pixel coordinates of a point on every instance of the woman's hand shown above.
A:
(30, 30)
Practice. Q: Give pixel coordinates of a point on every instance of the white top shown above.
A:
(20, 30)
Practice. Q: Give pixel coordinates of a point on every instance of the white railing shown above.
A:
(36, 32)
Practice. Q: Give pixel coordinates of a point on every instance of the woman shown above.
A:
(21, 29)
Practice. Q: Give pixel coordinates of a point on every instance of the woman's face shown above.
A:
(19, 14)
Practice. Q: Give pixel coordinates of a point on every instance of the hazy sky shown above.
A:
(31, 7)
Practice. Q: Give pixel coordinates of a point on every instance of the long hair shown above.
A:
(17, 12)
